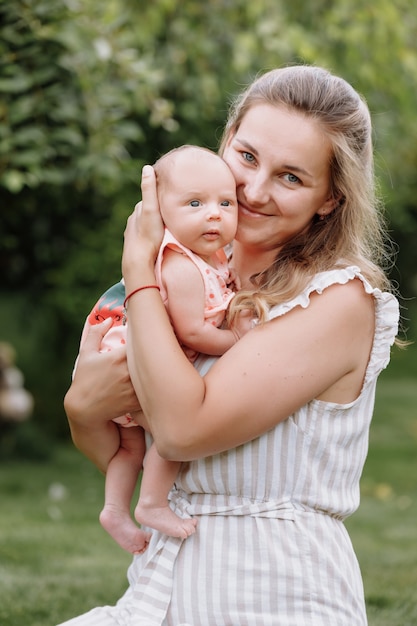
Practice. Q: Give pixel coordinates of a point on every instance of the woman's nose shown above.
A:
(256, 190)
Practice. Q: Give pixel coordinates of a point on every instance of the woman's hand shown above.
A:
(143, 234)
(101, 389)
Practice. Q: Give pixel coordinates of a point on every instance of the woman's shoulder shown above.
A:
(322, 280)
(386, 304)
(348, 286)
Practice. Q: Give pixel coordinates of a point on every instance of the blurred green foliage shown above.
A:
(92, 91)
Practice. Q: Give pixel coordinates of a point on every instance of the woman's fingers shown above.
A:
(147, 211)
(148, 186)
(145, 228)
(95, 336)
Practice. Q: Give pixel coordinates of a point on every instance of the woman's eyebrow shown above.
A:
(296, 168)
(248, 146)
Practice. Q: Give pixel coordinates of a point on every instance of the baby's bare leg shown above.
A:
(153, 509)
(121, 477)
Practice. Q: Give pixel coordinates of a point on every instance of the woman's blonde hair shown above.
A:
(353, 233)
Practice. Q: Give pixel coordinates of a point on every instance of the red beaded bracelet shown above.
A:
(132, 293)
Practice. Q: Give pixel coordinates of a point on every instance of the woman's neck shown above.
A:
(248, 261)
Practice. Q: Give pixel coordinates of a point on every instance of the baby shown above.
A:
(197, 196)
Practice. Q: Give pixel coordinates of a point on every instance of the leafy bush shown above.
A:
(91, 91)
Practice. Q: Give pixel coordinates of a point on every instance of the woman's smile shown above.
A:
(244, 210)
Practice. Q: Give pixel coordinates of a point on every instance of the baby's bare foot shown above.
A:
(123, 529)
(165, 520)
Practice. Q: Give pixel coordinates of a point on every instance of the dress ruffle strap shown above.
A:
(386, 312)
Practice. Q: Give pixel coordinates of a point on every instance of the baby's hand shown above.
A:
(140, 419)
(234, 281)
(243, 322)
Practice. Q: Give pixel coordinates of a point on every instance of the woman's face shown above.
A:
(281, 162)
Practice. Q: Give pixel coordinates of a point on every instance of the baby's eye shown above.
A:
(225, 203)
(195, 203)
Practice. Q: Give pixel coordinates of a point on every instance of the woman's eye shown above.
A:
(292, 178)
(195, 203)
(248, 157)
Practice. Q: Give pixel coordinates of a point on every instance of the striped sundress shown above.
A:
(270, 548)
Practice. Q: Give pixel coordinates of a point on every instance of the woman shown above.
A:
(275, 430)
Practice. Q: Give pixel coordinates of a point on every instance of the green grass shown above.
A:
(384, 529)
(56, 561)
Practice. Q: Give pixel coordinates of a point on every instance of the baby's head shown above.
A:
(197, 197)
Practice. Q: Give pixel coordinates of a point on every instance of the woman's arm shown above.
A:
(100, 391)
(320, 351)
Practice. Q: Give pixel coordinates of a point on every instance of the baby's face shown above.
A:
(198, 201)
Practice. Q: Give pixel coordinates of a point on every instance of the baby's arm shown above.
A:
(185, 289)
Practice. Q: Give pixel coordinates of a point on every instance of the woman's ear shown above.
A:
(330, 205)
